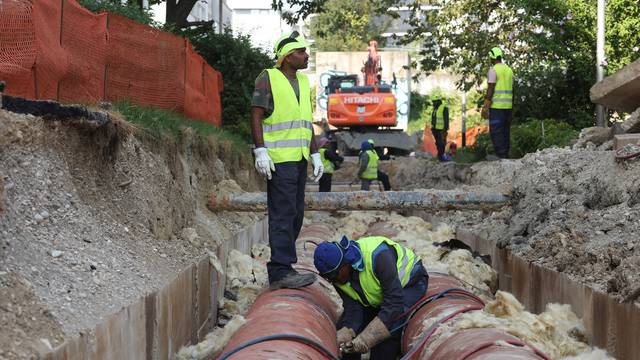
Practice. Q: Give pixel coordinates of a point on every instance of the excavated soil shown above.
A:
(93, 218)
(575, 211)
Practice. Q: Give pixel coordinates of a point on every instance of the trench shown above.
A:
(157, 325)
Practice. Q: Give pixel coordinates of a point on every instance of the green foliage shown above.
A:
(526, 138)
(240, 63)
(295, 10)
(533, 135)
(623, 37)
(167, 123)
(346, 25)
(545, 42)
(129, 10)
(421, 109)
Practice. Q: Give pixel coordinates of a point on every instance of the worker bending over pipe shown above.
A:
(377, 279)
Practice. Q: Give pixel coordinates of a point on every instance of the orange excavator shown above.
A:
(357, 113)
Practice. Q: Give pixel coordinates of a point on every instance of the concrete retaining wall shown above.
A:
(157, 325)
(610, 324)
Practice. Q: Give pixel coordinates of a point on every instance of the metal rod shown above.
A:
(600, 59)
(464, 119)
(367, 200)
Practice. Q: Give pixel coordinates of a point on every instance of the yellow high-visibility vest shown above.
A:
(440, 117)
(368, 280)
(503, 94)
(328, 165)
(371, 172)
(288, 130)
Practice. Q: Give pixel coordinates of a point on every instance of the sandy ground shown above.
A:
(94, 218)
(576, 211)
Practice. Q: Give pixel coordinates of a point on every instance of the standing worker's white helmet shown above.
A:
(287, 43)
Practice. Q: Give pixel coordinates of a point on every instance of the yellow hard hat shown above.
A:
(495, 53)
(289, 42)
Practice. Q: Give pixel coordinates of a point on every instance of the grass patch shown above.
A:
(168, 123)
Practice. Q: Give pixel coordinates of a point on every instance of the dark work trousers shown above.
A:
(325, 183)
(285, 203)
(384, 178)
(500, 129)
(390, 348)
(438, 135)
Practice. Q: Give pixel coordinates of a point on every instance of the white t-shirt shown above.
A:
(492, 76)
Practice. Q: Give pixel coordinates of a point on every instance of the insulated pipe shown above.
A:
(291, 324)
(368, 200)
(445, 299)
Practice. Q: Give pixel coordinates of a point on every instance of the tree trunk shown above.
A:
(178, 11)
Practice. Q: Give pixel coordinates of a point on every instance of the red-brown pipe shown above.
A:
(307, 313)
(484, 343)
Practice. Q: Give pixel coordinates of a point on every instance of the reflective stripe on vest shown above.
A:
(288, 130)
(371, 172)
(503, 94)
(368, 281)
(439, 117)
(328, 165)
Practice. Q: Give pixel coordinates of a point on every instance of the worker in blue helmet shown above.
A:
(368, 169)
(281, 125)
(377, 280)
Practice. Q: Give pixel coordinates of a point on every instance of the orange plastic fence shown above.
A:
(56, 49)
(429, 143)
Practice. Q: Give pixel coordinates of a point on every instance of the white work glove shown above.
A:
(264, 164)
(318, 168)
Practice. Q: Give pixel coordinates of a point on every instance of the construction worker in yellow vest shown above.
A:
(498, 103)
(284, 143)
(440, 125)
(367, 165)
(330, 160)
(377, 280)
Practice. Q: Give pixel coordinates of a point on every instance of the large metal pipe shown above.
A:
(291, 324)
(368, 200)
(445, 299)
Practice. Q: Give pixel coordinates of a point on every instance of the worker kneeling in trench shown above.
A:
(377, 280)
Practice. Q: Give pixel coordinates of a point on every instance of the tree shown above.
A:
(240, 63)
(544, 42)
(294, 10)
(346, 25)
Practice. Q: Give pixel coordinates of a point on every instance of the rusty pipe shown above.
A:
(307, 316)
(369, 200)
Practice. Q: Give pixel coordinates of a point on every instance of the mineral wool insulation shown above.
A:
(557, 331)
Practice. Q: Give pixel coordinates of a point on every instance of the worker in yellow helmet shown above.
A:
(498, 103)
(284, 143)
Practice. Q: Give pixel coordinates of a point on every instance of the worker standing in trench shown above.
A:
(330, 160)
(498, 104)
(281, 125)
(440, 125)
(377, 280)
(368, 167)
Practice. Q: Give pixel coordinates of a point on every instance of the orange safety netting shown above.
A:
(429, 142)
(56, 49)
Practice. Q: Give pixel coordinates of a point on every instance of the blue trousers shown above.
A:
(500, 128)
(390, 348)
(441, 142)
(285, 204)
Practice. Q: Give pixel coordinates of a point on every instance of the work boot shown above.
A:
(293, 281)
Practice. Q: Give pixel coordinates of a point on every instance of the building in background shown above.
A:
(217, 11)
(264, 25)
